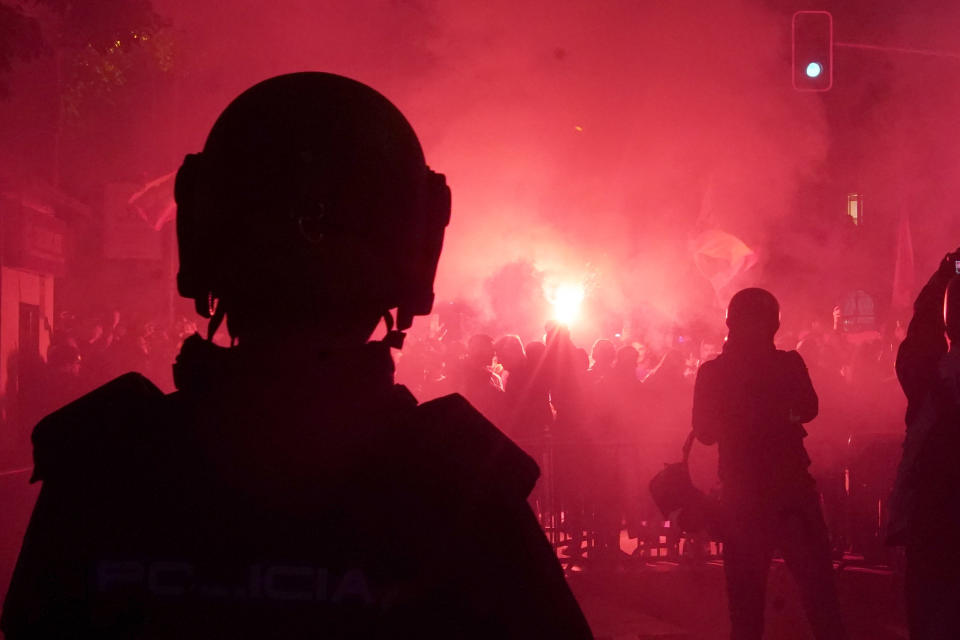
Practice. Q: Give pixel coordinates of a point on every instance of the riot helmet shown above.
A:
(603, 353)
(753, 314)
(311, 198)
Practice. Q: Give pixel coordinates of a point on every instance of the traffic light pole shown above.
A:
(921, 52)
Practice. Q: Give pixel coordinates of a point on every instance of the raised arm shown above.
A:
(926, 341)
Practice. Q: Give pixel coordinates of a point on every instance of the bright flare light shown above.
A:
(566, 302)
(814, 69)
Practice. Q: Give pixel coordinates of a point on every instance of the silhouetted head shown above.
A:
(480, 349)
(753, 315)
(310, 208)
(603, 353)
(556, 335)
(627, 358)
(951, 312)
(510, 353)
(535, 352)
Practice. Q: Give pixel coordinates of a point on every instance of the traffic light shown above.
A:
(812, 50)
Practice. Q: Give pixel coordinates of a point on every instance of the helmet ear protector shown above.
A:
(201, 259)
(195, 240)
(432, 215)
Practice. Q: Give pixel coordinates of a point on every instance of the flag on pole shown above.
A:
(722, 257)
(903, 272)
(153, 202)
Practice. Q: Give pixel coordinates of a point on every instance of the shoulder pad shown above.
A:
(74, 433)
(475, 455)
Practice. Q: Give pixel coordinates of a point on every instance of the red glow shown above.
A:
(566, 300)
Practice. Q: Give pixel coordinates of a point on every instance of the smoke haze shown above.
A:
(598, 141)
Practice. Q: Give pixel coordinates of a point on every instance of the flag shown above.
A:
(722, 258)
(903, 272)
(153, 202)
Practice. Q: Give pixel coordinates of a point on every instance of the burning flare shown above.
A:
(566, 301)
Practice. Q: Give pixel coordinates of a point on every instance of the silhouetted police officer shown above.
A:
(752, 401)
(289, 488)
(925, 506)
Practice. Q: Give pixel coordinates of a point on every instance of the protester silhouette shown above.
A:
(526, 408)
(289, 488)
(925, 505)
(752, 401)
(667, 400)
(478, 382)
(614, 425)
(603, 354)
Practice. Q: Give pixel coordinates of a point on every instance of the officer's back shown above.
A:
(289, 488)
(752, 400)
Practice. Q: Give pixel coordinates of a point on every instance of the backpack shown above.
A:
(678, 499)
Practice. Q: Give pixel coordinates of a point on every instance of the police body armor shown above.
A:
(322, 503)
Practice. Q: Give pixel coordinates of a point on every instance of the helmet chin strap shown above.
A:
(216, 319)
(394, 337)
